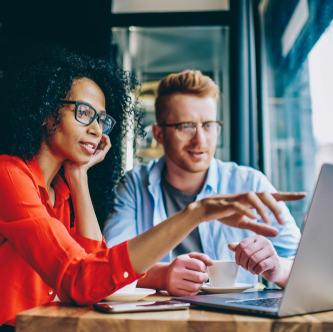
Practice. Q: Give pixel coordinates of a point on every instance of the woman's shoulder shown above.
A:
(18, 178)
(10, 165)
(11, 162)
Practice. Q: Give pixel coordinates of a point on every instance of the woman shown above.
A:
(57, 115)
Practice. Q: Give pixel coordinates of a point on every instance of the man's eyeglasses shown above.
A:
(187, 130)
(86, 115)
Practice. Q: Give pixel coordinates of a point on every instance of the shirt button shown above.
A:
(50, 292)
(125, 275)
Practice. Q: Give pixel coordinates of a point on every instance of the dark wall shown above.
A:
(80, 25)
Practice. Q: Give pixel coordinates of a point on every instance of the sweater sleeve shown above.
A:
(78, 275)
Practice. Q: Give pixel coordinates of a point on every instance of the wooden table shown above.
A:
(56, 316)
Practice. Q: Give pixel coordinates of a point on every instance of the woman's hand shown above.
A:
(100, 152)
(77, 179)
(237, 210)
(75, 172)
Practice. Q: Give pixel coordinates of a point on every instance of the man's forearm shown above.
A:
(155, 277)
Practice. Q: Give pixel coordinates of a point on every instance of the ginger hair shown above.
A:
(191, 82)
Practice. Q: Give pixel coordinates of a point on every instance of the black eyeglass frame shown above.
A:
(97, 115)
(176, 125)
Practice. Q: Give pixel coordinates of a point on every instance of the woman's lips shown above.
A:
(90, 148)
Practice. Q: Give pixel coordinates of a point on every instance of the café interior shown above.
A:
(272, 61)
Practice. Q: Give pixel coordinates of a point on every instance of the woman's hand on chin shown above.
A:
(78, 172)
(100, 152)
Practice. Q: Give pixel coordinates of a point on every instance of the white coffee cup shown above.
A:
(223, 274)
(128, 289)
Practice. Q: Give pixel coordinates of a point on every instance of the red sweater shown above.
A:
(41, 255)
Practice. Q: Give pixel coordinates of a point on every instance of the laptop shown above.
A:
(310, 285)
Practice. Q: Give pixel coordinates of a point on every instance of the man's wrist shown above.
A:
(156, 277)
(286, 265)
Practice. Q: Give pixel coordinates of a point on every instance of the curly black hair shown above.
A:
(30, 95)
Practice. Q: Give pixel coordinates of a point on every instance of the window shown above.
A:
(297, 53)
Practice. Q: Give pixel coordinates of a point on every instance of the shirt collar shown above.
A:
(37, 172)
(155, 171)
(61, 188)
(156, 168)
(212, 176)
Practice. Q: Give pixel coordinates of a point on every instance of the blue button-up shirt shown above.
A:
(139, 206)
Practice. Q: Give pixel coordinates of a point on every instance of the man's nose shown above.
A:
(199, 136)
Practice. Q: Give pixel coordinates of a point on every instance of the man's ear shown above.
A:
(158, 134)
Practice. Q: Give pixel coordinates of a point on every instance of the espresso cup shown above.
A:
(128, 289)
(223, 274)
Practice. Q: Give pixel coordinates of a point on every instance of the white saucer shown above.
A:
(138, 294)
(221, 290)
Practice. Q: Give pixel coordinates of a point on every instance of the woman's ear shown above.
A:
(158, 134)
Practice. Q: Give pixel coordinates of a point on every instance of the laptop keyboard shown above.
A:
(265, 302)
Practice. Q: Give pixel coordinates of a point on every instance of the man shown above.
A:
(187, 128)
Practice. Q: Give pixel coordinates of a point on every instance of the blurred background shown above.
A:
(270, 58)
(151, 53)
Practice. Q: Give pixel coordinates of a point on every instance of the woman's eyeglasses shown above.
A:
(86, 115)
(187, 130)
